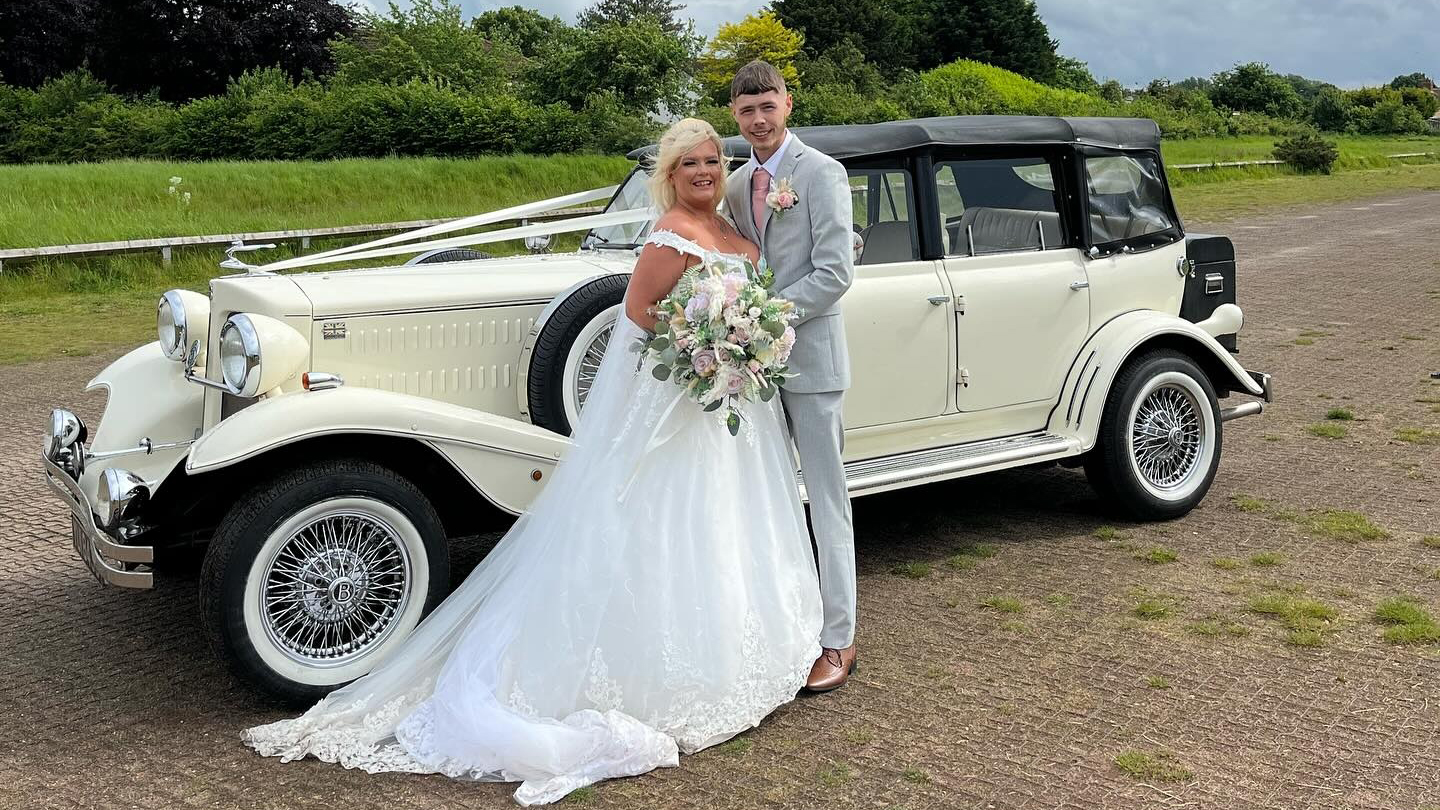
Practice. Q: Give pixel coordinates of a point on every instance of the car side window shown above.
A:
(998, 205)
(1127, 198)
(883, 201)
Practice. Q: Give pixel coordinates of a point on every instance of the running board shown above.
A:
(888, 472)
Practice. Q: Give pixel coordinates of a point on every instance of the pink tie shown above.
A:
(760, 187)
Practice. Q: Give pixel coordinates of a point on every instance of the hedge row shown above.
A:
(75, 119)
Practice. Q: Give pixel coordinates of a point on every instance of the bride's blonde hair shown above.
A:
(683, 136)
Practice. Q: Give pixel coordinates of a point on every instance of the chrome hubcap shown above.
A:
(1167, 436)
(335, 587)
(589, 364)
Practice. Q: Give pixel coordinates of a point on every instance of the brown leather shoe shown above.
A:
(832, 669)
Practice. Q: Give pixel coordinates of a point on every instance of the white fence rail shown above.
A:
(167, 245)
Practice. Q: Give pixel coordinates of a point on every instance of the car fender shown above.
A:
(507, 461)
(1087, 385)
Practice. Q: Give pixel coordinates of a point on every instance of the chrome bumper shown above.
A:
(101, 554)
(1251, 408)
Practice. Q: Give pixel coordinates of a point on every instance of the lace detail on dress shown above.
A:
(366, 744)
(603, 691)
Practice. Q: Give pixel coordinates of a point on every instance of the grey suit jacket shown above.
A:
(809, 249)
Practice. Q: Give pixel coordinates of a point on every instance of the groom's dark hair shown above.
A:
(755, 78)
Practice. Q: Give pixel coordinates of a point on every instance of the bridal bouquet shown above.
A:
(725, 338)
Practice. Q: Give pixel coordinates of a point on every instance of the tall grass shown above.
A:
(1356, 152)
(67, 204)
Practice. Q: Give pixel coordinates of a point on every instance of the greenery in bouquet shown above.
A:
(723, 337)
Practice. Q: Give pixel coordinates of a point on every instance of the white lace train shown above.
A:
(660, 596)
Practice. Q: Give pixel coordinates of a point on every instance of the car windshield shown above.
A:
(633, 194)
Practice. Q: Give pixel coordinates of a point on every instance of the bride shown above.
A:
(660, 596)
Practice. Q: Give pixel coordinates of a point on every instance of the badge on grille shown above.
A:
(333, 330)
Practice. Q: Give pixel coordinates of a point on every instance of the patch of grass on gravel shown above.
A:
(735, 747)
(1059, 600)
(912, 570)
(1225, 563)
(1157, 555)
(1408, 622)
(1340, 414)
(1153, 606)
(1411, 337)
(1158, 767)
(1418, 435)
(915, 776)
(1312, 333)
(1265, 558)
(583, 795)
(859, 736)
(1014, 626)
(1004, 604)
(835, 774)
(1304, 341)
(967, 557)
(1430, 541)
(1248, 503)
(1327, 430)
(1213, 627)
(1157, 682)
(1305, 619)
(1109, 533)
(1352, 527)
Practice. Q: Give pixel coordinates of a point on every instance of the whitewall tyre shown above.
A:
(313, 579)
(1160, 437)
(568, 350)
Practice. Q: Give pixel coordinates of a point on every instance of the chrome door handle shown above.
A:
(937, 300)
(1079, 285)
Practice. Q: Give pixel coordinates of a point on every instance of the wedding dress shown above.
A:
(660, 596)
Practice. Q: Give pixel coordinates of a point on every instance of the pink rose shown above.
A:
(785, 200)
(704, 362)
(740, 336)
(734, 283)
(735, 384)
(754, 366)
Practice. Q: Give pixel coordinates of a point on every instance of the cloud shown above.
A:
(1347, 42)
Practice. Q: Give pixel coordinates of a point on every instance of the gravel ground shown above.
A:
(1028, 702)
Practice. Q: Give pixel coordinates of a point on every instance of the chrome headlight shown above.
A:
(120, 497)
(258, 354)
(65, 429)
(182, 318)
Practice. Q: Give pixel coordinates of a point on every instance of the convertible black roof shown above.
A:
(858, 140)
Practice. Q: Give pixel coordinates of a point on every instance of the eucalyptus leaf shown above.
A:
(714, 406)
(733, 423)
(661, 372)
(775, 328)
(660, 344)
(669, 356)
(767, 393)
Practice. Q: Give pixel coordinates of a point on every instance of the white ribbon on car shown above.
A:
(389, 245)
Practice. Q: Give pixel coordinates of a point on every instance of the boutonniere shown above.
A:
(782, 197)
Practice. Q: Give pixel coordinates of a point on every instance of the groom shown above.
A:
(803, 229)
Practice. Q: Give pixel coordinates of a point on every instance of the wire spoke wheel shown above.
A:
(335, 587)
(589, 364)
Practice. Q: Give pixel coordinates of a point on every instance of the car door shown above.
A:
(897, 312)
(1021, 299)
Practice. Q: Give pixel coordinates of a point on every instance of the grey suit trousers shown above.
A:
(819, 433)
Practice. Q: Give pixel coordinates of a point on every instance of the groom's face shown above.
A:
(762, 117)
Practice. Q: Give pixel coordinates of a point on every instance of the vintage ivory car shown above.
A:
(1025, 293)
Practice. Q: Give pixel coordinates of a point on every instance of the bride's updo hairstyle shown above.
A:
(683, 136)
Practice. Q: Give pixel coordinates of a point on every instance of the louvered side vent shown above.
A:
(467, 357)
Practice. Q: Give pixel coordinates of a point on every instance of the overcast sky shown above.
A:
(1347, 42)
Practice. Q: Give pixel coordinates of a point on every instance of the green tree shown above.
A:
(844, 65)
(1254, 87)
(883, 31)
(1330, 111)
(1112, 90)
(1421, 99)
(1073, 74)
(526, 29)
(643, 66)
(758, 36)
(1411, 80)
(426, 42)
(624, 12)
(1307, 89)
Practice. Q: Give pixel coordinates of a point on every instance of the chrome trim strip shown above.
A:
(1085, 397)
(146, 446)
(1075, 392)
(970, 457)
(99, 549)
